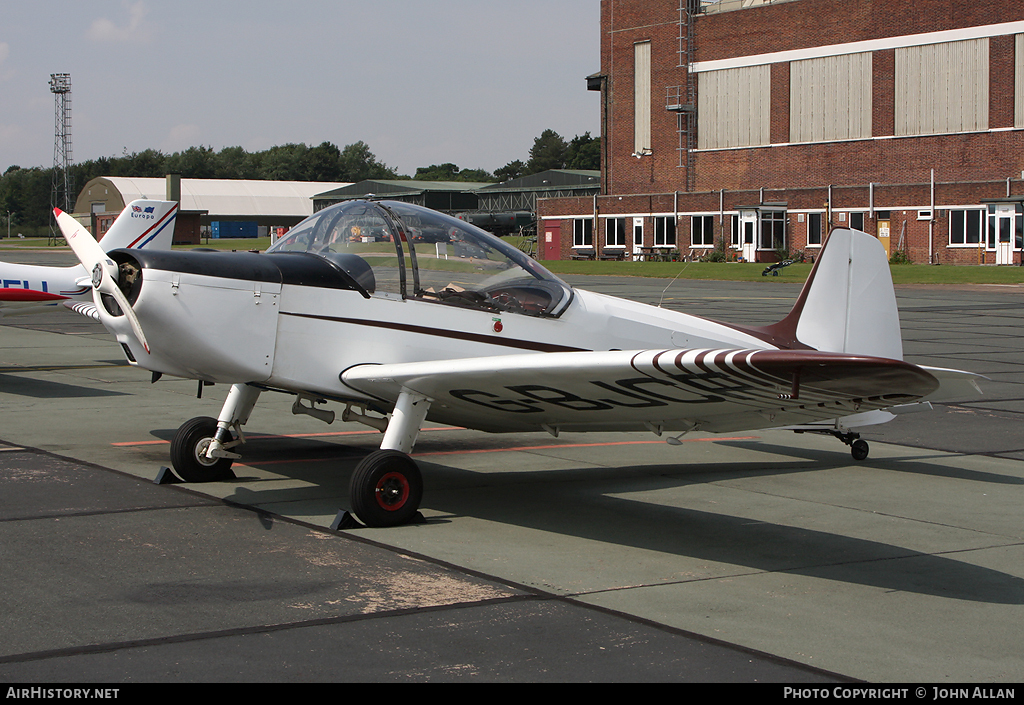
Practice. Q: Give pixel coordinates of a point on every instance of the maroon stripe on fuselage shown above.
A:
(443, 333)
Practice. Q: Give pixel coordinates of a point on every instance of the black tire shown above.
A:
(386, 489)
(188, 452)
(859, 449)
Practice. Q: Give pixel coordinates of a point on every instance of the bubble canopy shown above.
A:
(395, 249)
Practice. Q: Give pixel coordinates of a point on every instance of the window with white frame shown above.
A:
(773, 230)
(966, 227)
(702, 231)
(615, 232)
(814, 229)
(583, 232)
(665, 231)
(857, 221)
(734, 233)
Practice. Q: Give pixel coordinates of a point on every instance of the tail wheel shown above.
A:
(386, 489)
(188, 452)
(859, 449)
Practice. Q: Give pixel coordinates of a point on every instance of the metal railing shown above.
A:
(713, 6)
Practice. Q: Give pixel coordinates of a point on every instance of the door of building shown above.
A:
(1002, 237)
(638, 238)
(552, 239)
(883, 235)
(748, 235)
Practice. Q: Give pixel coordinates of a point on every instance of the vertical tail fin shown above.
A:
(848, 303)
(143, 224)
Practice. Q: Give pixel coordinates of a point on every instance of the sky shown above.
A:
(471, 82)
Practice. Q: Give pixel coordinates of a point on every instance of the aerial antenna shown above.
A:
(60, 194)
(662, 301)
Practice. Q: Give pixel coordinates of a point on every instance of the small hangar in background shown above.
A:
(267, 204)
(499, 208)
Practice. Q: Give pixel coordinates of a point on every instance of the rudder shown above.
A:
(848, 303)
(143, 224)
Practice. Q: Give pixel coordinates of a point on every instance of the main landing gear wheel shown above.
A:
(386, 489)
(859, 449)
(188, 452)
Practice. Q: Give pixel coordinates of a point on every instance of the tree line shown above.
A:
(26, 192)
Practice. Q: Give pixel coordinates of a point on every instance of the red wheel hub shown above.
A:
(392, 491)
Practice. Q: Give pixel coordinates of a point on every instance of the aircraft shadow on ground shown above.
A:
(590, 503)
(45, 389)
(915, 465)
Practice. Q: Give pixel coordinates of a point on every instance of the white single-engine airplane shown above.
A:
(26, 287)
(403, 314)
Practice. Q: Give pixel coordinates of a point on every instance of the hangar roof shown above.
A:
(446, 196)
(551, 180)
(220, 198)
(394, 187)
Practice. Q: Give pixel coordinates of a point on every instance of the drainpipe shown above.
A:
(721, 218)
(931, 221)
(871, 200)
(675, 216)
(828, 225)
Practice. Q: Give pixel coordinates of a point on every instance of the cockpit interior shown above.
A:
(397, 249)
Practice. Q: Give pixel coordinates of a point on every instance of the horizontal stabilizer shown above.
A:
(83, 308)
(954, 385)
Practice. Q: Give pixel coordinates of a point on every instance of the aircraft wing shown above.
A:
(29, 296)
(84, 308)
(667, 390)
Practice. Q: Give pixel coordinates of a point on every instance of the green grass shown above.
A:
(742, 271)
(240, 243)
(27, 243)
(725, 271)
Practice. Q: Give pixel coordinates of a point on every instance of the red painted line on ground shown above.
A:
(513, 449)
(290, 435)
(578, 445)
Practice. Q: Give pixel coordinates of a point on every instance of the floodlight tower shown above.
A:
(60, 195)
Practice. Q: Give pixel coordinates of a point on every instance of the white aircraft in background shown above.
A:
(25, 287)
(403, 314)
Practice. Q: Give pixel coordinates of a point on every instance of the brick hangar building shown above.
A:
(760, 124)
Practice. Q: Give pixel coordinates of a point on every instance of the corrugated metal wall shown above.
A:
(734, 107)
(830, 98)
(942, 88)
(642, 87)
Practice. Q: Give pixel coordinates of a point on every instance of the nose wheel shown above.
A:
(188, 452)
(386, 489)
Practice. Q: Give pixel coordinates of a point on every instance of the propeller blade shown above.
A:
(86, 249)
(103, 269)
(126, 307)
